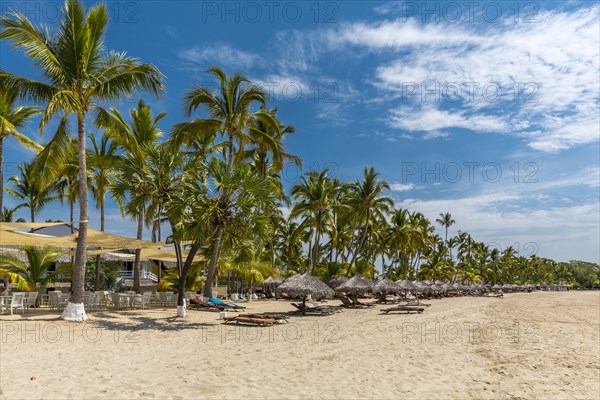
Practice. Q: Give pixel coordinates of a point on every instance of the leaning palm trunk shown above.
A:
(74, 310)
(181, 311)
(212, 265)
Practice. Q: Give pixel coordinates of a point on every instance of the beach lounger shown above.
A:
(281, 318)
(201, 305)
(405, 309)
(349, 303)
(303, 309)
(263, 320)
(324, 306)
(218, 302)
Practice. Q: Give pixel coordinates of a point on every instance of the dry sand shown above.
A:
(531, 345)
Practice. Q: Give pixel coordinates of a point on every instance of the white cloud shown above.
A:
(430, 119)
(435, 135)
(557, 58)
(220, 54)
(401, 187)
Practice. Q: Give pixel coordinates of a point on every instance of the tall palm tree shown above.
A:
(229, 113)
(13, 118)
(103, 161)
(31, 189)
(134, 139)
(369, 204)
(78, 74)
(446, 221)
(316, 200)
(230, 207)
(288, 243)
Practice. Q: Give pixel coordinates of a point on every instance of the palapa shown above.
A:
(385, 286)
(304, 285)
(355, 285)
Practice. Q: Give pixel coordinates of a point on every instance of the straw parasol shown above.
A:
(303, 285)
(385, 286)
(406, 285)
(355, 285)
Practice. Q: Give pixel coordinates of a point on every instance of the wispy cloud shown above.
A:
(546, 74)
(401, 187)
(222, 54)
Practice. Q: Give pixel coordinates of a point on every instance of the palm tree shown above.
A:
(36, 273)
(446, 221)
(316, 195)
(229, 111)
(78, 75)
(103, 161)
(32, 190)
(288, 243)
(369, 204)
(230, 207)
(13, 118)
(135, 139)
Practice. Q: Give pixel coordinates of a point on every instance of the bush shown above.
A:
(109, 275)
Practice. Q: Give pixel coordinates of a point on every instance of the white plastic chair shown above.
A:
(90, 300)
(30, 299)
(17, 301)
(118, 300)
(54, 300)
(142, 300)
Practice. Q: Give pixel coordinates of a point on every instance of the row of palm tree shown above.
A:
(214, 180)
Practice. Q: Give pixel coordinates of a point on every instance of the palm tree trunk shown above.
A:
(32, 212)
(362, 240)
(157, 237)
(97, 282)
(184, 271)
(138, 254)
(75, 311)
(72, 214)
(230, 161)
(316, 250)
(212, 265)
(1, 172)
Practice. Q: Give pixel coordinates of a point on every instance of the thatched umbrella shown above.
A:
(337, 281)
(384, 286)
(355, 285)
(422, 287)
(303, 285)
(405, 284)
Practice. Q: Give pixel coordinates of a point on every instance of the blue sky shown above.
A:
(489, 111)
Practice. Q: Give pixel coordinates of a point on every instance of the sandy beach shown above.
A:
(536, 346)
